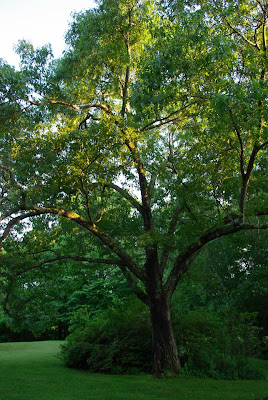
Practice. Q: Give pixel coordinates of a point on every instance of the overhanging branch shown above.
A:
(185, 258)
(14, 221)
(88, 260)
(76, 107)
(113, 245)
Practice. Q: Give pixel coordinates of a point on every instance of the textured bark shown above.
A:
(165, 350)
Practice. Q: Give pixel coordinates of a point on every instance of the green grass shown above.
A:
(31, 371)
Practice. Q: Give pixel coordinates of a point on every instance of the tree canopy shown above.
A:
(149, 137)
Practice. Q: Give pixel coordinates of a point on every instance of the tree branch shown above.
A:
(246, 176)
(83, 124)
(124, 193)
(138, 291)
(75, 107)
(89, 260)
(261, 6)
(87, 199)
(261, 146)
(107, 240)
(185, 258)
(242, 35)
(148, 222)
(147, 214)
(11, 177)
(125, 92)
(242, 149)
(165, 120)
(170, 233)
(14, 221)
(152, 184)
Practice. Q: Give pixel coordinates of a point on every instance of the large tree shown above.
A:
(149, 134)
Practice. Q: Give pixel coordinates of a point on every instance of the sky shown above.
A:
(38, 21)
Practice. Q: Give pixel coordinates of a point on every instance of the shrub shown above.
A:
(116, 340)
(216, 346)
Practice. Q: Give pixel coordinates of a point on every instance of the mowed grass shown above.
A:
(31, 371)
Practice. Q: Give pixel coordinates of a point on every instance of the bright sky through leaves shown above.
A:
(38, 21)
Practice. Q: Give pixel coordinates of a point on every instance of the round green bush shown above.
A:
(116, 340)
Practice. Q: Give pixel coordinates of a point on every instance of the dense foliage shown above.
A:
(118, 340)
(114, 340)
(217, 346)
(144, 144)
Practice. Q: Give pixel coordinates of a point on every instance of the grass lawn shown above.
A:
(31, 371)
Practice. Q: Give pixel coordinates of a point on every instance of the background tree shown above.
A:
(149, 134)
(44, 300)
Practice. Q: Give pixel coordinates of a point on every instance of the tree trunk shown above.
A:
(165, 350)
